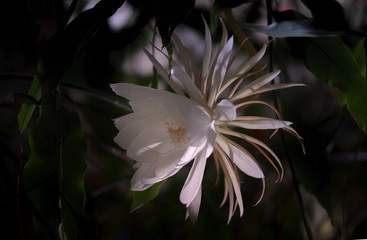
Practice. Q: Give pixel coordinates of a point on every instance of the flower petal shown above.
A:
(220, 71)
(164, 73)
(229, 172)
(245, 68)
(194, 206)
(244, 92)
(255, 122)
(206, 57)
(187, 83)
(243, 159)
(225, 111)
(193, 181)
(278, 86)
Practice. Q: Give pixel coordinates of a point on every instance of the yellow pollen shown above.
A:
(178, 135)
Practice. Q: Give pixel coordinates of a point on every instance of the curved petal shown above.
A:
(193, 181)
(206, 57)
(243, 159)
(220, 71)
(194, 206)
(245, 68)
(255, 122)
(253, 86)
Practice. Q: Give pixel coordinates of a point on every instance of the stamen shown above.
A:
(177, 135)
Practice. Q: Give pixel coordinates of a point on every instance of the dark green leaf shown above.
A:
(73, 170)
(169, 14)
(141, 197)
(27, 110)
(328, 13)
(41, 175)
(360, 56)
(56, 167)
(331, 61)
(59, 53)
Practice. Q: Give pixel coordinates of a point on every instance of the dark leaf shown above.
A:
(328, 13)
(169, 14)
(56, 166)
(330, 60)
(26, 110)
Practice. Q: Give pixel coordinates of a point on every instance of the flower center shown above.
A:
(176, 133)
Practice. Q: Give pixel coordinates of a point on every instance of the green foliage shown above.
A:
(54, 173)
(27, 109)
(331, 61)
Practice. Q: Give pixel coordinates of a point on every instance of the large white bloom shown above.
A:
(168, 130)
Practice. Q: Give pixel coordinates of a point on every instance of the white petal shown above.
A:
(220, 70)
(129, 126)
(245, 68)
(187, 58)
(225, 111)
(254, 122)
(244, 92)
(194, 179)
(206, 57)
(229, 172)
(194, 206)
(164, 73)
(278, 86)
(187, 83)
(243, 159)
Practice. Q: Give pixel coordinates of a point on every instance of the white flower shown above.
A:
(168, 130)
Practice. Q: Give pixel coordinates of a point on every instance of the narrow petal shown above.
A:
(255, 122)
(220, 71)
(272, 87)
(254, 141)
(193, 181)
(206, 57)
(187, 83)
(245, 68)
(242, 158)
(194, 206)
(244, 92)
(228, 170)
(163, 72)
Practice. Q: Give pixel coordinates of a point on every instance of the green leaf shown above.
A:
(141, 197)
(27, 109)
(73, 170)
(330, 60)
(56, 168)
(360, 56)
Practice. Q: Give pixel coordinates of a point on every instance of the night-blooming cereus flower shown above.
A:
(168, 130)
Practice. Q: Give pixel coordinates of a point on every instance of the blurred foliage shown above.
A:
(62, 176)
